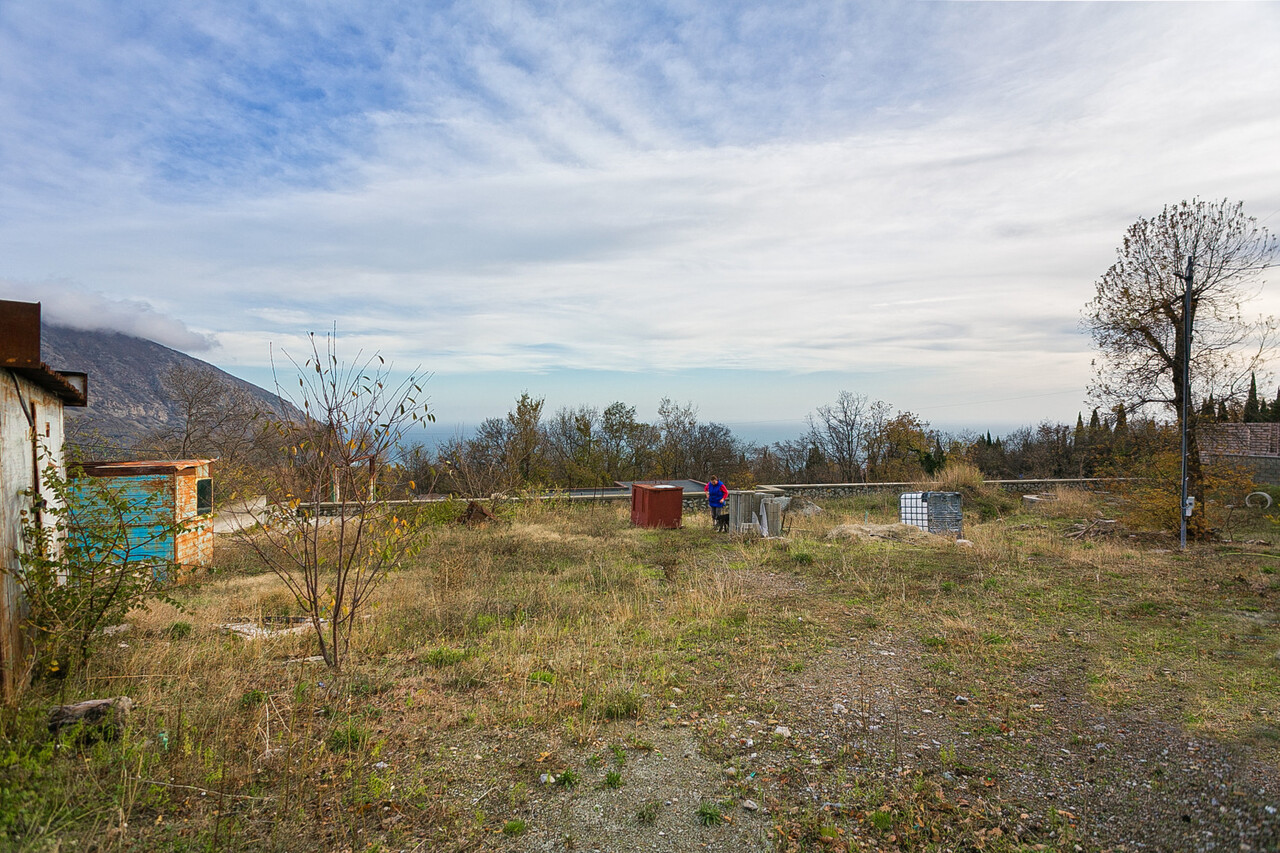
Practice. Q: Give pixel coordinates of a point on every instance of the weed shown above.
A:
(180, 630)
(542, 676)
(444, 656)
(513, 828)
(568, 778)
(346, 738)
(647, 814)
(882, 820)
(617, 703)
(619, 754)
(638, 743)
(613, 779)
(710, 814)
(252, 698)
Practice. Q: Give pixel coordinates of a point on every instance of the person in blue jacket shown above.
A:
(717, 495)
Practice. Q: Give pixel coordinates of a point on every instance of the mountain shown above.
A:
(127, 397)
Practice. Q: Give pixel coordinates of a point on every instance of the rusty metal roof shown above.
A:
(20, 352)
(142, 468)
(62, 385)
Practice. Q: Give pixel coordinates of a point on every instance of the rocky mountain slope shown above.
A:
(127, 397)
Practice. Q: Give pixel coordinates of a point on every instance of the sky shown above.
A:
(747, 206)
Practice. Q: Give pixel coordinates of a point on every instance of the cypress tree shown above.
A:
(1275, 409)
(1206, 408)
(1251, 410)
(1095, 424)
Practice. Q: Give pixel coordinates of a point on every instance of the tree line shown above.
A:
(852, 439)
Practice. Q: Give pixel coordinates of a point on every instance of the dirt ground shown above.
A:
(867, 719)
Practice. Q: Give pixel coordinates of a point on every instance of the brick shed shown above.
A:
(183, 493)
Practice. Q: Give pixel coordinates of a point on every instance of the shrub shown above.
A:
(86, 562)
(966, 478)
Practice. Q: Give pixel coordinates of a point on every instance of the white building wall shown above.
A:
(22, 447)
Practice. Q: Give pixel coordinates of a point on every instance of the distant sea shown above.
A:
(769, 432)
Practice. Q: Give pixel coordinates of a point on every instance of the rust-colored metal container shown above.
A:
(656, 506)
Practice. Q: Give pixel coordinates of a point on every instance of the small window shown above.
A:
(204, 496)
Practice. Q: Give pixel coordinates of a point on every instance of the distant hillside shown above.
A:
(126, 390)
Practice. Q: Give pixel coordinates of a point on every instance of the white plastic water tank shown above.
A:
(913, 510)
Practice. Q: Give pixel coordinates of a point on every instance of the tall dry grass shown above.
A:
(563, 627)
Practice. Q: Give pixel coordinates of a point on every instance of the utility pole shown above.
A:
(1185, 506)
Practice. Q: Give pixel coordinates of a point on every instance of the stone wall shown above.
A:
(1266, 469)
(1253, 446)
(696, 501)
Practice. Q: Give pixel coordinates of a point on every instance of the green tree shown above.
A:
(1137, 316)
(628, 445)
(575, 449)
(1252, 411)
(525, 440)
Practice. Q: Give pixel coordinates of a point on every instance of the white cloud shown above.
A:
(65, 304)
(922, 187)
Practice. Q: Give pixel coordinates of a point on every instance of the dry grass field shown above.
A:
(563, 681)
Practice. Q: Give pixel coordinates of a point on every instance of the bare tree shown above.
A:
(213, 418)
(335, 449)
(839, 432)
(677, 426)
(1137, 315)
